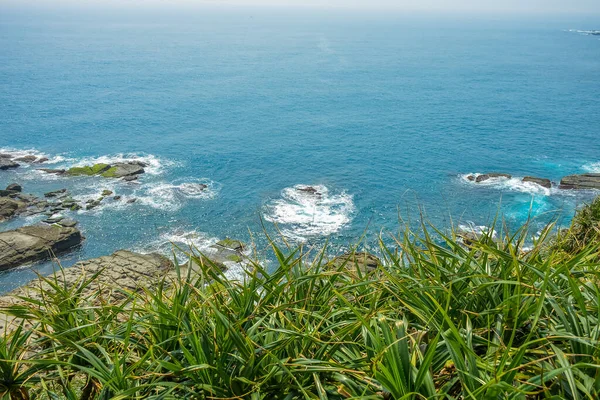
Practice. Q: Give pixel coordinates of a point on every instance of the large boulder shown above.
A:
(6, 163)
(491, 175)
(35, 243)
(539, 181)
(8, 208)
(14, 187)
(583, 181)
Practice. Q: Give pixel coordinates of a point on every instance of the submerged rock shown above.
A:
(55, 193)
(6, 163)
(14, 187)
(540, 181)
(107, 192)
(52, 171)
(583, 181)
(485, 177)
(35, 243)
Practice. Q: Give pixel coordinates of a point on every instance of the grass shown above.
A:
(89, 170)
(436, 320)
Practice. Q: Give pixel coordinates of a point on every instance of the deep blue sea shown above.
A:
(383, 113)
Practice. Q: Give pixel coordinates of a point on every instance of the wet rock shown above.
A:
(354, 262)
(52, 171)
(7, 193)
(485, 177)
(93, 204)
(539, 181)
(581, 182)
(106, 193)
(471, 178)
(14, 187)
(117, 198)
(6, 156)
(35, 243)
(53, 219)
(6, 164)
(41, 160)
(26, 159)
(55, 193)
(130, 178)
(309, 190)
(131, 201)
(123, 170)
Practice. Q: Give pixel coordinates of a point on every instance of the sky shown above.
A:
(474, 6)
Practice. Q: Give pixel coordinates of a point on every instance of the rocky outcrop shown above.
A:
(121, 170)
(539, 181)
(26, 159)
(14, 187)
(7, 163)
(35, 243)
(309, 190)
(354, 262)
(485, 177)
(8, 208)
(583, 181)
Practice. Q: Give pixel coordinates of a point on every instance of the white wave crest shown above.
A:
(514, 184)
(17, 153)
(592, 167)
(302, 213)
(171, 196)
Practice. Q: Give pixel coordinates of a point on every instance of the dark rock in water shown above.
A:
(485, 177)
(52, 171)
(130, 201)
(106, 193)
(117, 198)
(540, 181)
(583, 181)
(14, 187)
(140, 163)
(353, 262)
(130, 178)
(35, 243)
(55, 193)
(41, 160)
(75, 207)
(309, 190)
(6, 163)
(471, 177)
(123, 170)
(8, 208)
(7, 193)
(68, 223)
(6, 156)
(93, 204)
(26, 159)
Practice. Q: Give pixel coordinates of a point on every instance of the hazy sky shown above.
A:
(504, 6)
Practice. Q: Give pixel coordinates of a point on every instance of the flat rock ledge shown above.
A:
(36, 243)
(582, 182)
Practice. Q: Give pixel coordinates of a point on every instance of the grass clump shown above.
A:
(584, 229)
(435, 319)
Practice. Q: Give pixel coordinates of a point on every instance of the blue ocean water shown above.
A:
(383, 114)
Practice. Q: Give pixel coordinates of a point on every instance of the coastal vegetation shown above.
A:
(435, 316)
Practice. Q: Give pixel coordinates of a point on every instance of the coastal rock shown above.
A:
(583, 181)
(123, 270)
(123, 170)
(6, 163)
(131, 201)
(485, 177)
(55, 193)
(117, 198)
(87, 170)
(41, 160)
(309, 189)
(540, 181)
(68, 223)
(130, 178)
(26, 159)
(354, 262)
(8, 208)
(6, 156)
(14, 187)
(52, 171)
(35, 243)
(106, 192)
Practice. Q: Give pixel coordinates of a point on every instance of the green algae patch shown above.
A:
(87, 170)
(110, 173)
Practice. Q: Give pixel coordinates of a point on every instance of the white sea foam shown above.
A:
(478, 230)
(171, 196)
(592, 167)
(514, 184)
(17, 153)
(585, 32)
(301, 214)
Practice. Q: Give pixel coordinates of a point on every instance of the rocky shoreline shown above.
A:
(589, 181)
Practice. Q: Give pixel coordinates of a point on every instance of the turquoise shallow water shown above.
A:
(383, 113)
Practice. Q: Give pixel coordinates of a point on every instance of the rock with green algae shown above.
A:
(87, 170)
(353, 262)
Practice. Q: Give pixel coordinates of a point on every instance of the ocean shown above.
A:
(384, 114)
